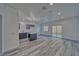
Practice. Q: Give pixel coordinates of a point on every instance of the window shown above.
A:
(45, 28)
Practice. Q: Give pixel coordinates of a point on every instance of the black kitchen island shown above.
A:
(30, 36)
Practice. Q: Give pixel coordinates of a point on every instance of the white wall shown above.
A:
(10, 38)
(77, 28)
(1, 37)
(70, 30)
(0, 33)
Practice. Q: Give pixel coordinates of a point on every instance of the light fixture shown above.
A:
(51, 3)
(59, 13)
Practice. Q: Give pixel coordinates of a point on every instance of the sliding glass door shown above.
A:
(54, 31)
(57, 31)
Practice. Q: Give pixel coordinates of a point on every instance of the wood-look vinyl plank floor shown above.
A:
(46, 47)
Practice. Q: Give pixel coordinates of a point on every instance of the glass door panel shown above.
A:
(59, 31)
(54, 30)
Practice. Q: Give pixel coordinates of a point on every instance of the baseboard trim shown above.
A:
(46, 35)
(76, 41)
(7, 52)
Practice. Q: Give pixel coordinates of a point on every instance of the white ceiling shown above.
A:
(35, 9)
(54, 12)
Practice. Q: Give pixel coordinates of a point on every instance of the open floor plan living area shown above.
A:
(39, 29)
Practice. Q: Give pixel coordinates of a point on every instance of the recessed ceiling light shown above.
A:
(59, 13)
(51, 3)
